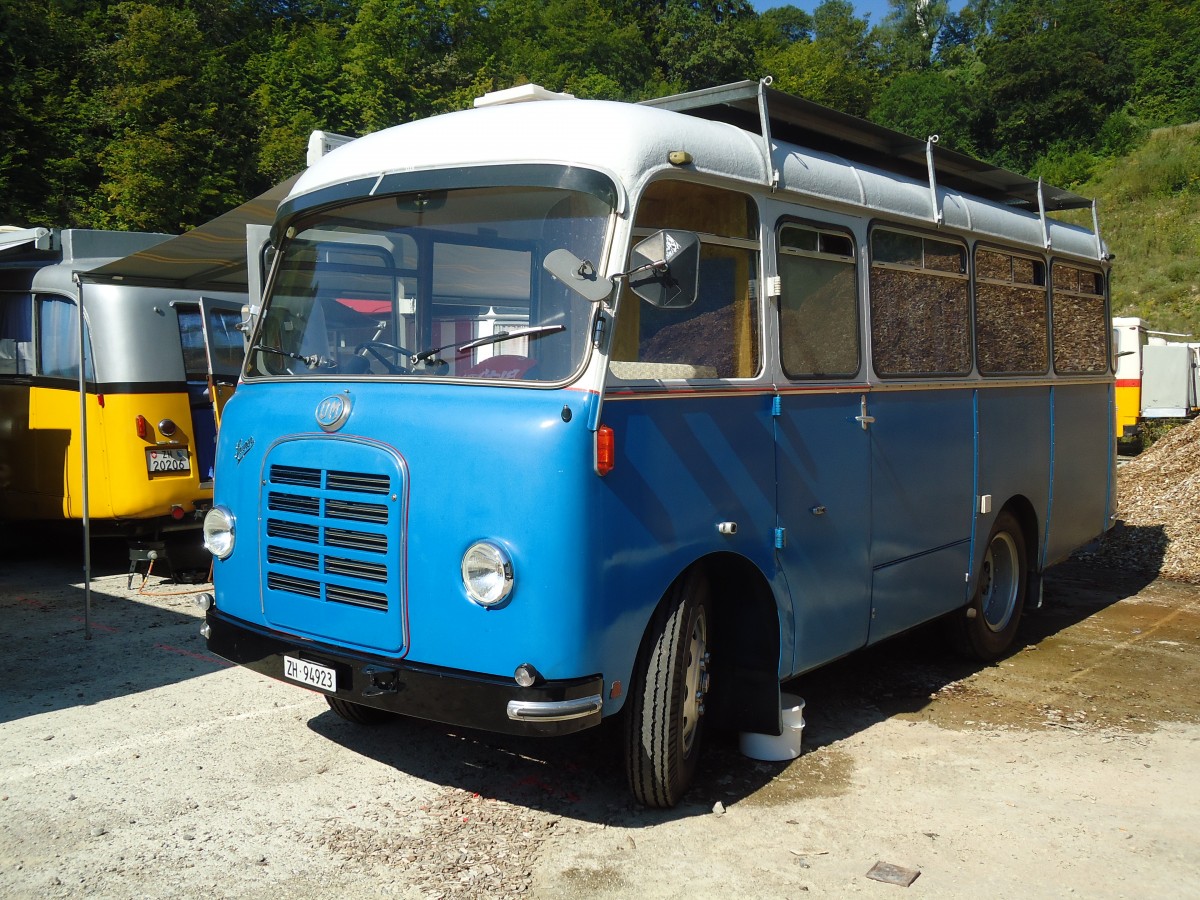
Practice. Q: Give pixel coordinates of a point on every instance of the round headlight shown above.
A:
(487, 573)
(218, 532)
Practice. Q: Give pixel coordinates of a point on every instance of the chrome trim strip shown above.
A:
(554, 710)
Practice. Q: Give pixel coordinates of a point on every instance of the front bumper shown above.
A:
(449, 696)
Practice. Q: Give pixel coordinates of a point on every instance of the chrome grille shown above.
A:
(356, 511)
(314, 511)
(357, 568)
(358, 481)
(301, 559)
(294, 475)
(302, 586)
(358, 597)
(356, 540)
(293, 531)
(294, 503)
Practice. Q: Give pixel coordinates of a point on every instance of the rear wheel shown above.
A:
(989, 625)
(357, 713)
(664, 722)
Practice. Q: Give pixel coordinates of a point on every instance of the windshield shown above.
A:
(432, 284)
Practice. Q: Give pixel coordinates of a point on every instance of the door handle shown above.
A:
(863, 419)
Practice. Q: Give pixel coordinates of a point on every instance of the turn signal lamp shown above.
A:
(606, 450)
(143, 428)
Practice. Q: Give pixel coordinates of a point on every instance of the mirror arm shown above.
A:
(659, 266)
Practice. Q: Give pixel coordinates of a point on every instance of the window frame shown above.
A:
(708, 239)
(854, 261)
(1107, 316)
(965, 276)
(976, 280)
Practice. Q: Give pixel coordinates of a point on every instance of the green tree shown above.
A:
(910, 32)
(174, 116)
(1164, 48)
(586, 48)
(784, 25)
(47, 152)
(300, 85)
(1055, 72)
(834, 68)
(701, 43)
(406, 59)
(929, 102)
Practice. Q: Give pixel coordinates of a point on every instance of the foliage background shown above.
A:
(161, 115)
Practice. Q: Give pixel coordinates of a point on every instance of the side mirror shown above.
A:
(666, 269)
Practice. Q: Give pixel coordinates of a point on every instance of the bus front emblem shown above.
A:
(332, 412)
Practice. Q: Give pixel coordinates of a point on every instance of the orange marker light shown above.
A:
(606, 450)
(143, 428)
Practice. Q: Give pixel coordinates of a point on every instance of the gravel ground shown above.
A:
(1159, 510)
(137, 765)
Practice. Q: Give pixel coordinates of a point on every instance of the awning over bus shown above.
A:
(211, 257)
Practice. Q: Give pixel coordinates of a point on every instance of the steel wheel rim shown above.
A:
(998, 584)
(695, 682)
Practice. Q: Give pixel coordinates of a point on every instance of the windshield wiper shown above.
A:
(496, 338)
(313, 362)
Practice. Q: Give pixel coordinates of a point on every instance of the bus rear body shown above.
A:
(558, 411)
(151, 413)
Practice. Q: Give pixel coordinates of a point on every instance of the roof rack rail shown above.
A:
(756, 107)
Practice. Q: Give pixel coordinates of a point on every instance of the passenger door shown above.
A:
(822, 449)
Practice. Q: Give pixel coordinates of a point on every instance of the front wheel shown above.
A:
(665, 715)
(989, 625)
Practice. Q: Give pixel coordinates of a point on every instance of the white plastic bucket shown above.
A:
(777, 747)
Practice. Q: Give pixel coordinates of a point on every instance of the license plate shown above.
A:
(310, 673)
(160, 460)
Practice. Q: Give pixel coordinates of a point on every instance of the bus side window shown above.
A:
(16, 334)
(920, 321)
(1080, 322)
(1011, 327)
(718, 336)
(58, 339)
(818, 308)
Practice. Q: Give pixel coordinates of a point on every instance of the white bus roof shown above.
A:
(836, 159)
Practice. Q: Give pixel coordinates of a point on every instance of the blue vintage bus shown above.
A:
(561, 410)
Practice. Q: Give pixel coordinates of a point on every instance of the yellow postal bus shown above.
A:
(158, 365)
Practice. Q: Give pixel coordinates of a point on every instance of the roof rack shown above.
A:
(756, 107)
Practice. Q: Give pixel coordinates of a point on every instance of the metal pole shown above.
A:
(83, 469)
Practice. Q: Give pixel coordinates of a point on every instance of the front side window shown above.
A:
(717, 336)
(920, 316)
(433, 284)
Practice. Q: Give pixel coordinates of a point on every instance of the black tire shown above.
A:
(988, 626)
(664, 717)
(357, 713)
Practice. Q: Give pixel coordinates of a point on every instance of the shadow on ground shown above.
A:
(138, 641)
(582, 776)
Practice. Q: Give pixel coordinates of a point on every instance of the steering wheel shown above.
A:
(374, 348)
